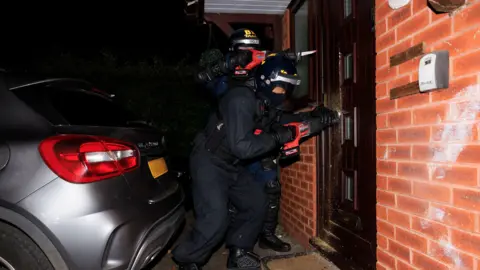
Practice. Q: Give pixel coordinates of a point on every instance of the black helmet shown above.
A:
(276, 71)
(243, 38)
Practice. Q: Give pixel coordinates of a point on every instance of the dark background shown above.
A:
(144, 54)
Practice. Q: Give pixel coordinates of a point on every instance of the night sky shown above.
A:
(130, 32)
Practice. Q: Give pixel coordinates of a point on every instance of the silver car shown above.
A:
(83, 183)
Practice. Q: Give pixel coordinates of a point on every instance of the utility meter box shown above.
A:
(433, 71)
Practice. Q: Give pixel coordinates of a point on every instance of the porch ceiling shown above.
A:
(246, 6)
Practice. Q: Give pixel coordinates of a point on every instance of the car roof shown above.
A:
(20, 80)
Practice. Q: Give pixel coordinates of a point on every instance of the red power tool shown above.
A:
(259, 56)
(291, 149)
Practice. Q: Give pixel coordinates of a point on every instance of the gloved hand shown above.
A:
(283, 134)
(325, 116)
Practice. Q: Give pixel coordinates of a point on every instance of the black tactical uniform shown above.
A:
(219, 175)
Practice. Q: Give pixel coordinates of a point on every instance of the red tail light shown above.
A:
(85, 159)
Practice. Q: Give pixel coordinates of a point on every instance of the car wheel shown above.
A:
(18, 251)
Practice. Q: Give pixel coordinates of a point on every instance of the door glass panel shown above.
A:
(348, 66)
(349, 188)
(348, 128)
(347, 8)
(301, 44)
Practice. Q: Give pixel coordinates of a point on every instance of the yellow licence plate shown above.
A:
(158, 167)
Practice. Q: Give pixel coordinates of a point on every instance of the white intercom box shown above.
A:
(433, 71)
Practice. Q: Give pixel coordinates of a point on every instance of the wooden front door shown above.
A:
(347, 202)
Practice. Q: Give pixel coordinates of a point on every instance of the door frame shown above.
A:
(323, 79)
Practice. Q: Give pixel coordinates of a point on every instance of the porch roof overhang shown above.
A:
(272, 7)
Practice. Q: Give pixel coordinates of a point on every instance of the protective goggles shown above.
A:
(286, 78)
(246, 41)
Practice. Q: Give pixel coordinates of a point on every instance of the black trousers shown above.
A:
(214, 184)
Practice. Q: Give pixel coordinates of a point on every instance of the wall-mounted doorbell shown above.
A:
(433, 71)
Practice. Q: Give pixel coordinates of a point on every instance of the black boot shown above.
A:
(268, 239)
(240, 259)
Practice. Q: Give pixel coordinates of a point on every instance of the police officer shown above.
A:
(219, 174)
(264, 171)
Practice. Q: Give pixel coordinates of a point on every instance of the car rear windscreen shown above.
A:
(75, 107)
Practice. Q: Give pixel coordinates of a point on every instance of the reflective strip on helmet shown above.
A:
(290, 80)
(245, 41)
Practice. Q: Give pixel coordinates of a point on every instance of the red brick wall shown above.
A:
(428, 151)
(298, 214)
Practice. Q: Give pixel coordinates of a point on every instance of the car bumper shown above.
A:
(101, 226)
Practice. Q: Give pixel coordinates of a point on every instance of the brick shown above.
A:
(386, 167)
(385, 198)
(381, 59)
(385, 229)
(412, 101)
(398, 119)
(381, 212)
(467, 242)
(385, 258)
(412, 205)
(461, 44)
(464, 176)
(386, 136)
(399, 82)
(430, 228)
(418, 171)
(381, 90)
(444, 252)
(380, 28)
(381, 267)
(418, 5)
(456, 87)
(467, 199)
(424, 262)
(434, 33)
(467, 64)
(399, 250)
(399, 152)
(381, 182)
(404, 266)
(399, 219)
(385, 74)
(400, 185)
(381, 12)
(412, 240)
(426, 152)
(382, 242)
(414, 135)
(385, 41)
(455, 217)
(385, 105)
(409, 67)
(418, 21)
(382, 121)
(432, 192)
(382, 152)
(469, 154)
(430, 115)
(399, 16)
(461, 132)
(467, 17)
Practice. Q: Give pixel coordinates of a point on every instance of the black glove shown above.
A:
(283, 134)
(325, 116)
